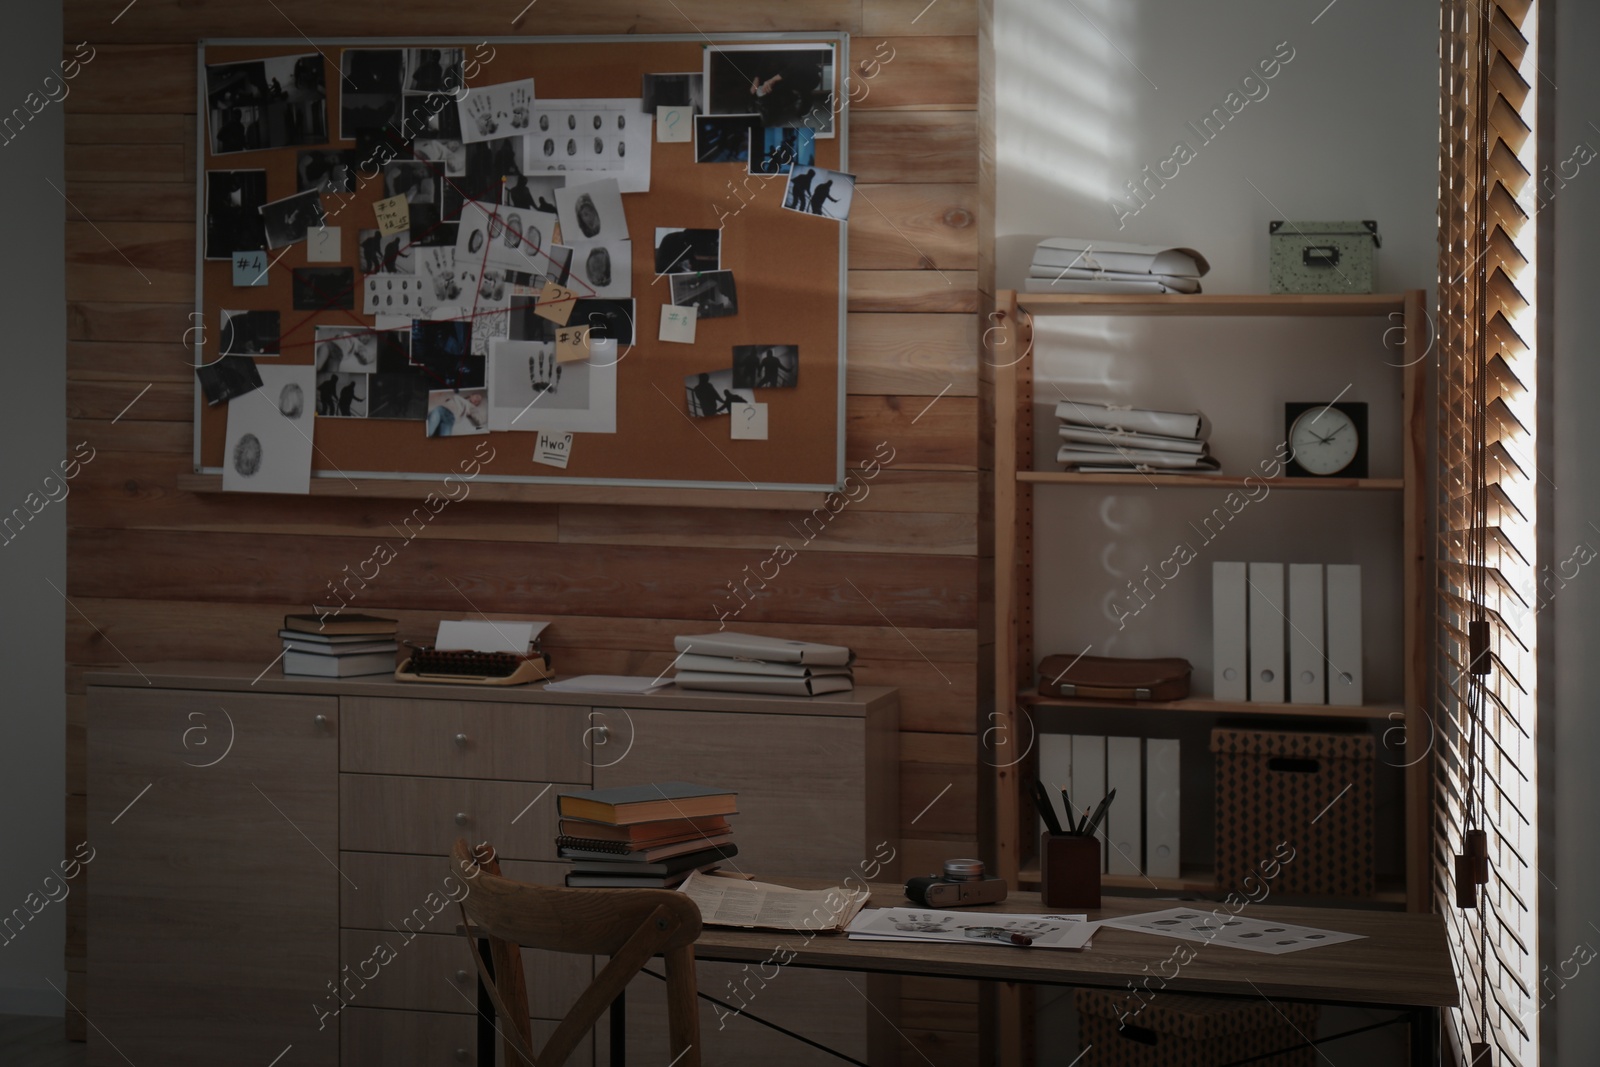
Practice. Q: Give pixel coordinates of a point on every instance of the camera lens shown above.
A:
(963, 870)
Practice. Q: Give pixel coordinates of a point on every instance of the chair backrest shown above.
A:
(628, 925)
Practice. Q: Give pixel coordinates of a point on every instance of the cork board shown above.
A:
(787, 265)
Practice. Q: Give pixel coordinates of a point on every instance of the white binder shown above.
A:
(1161, 808)
(1266, 632)
(1307, 680)
(1230, 664)
(1124, 819)
(1344, 634)
(1055, 767)
(1089, 778)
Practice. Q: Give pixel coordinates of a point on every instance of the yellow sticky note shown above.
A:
(394, 215)
(555, 303)
(572, 344)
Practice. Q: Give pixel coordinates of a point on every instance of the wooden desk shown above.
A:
(1402, 963)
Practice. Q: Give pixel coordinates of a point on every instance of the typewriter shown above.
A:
(486, 666)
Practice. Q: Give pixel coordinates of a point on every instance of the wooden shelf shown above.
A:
(1202, 706)
(1198, 880)
(1218, 304)
(1208, 481)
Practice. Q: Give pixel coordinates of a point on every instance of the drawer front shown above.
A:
(515, 742)
(382, 813)
(415, 894)
(801, 782)
(434, 972)
(378, 1037)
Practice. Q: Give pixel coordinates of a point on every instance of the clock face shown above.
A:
(1324, 440)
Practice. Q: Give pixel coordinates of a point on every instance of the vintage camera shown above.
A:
(962, 883)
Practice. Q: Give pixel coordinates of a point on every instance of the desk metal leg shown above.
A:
(619, 1030)
(485, 1008)
(1424, 1036)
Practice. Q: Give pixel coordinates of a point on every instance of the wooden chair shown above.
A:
(628, 925)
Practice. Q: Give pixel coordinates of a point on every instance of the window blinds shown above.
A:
(1488, 588)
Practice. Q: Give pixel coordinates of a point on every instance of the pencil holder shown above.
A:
(1070, 871)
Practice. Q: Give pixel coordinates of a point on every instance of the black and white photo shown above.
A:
(537, 192)
(432, 70)
(234, 199)
(816, 191)
(345, 350)
(370, 87)
(603, 269)
(380, 254)
(723, 138)
(674, 90)
(711, 293)
(266, 103)
(249, 333)
(327, 171)
(397, 395)
(416, 181)
(711, 393)
(591, 211)
(446, 153)
(323, 289)
(766, 366)
(681, 251)
(489, 165)
(228, 377)
(342, 396)
(785, 84)
(606, 319)
(288, 220)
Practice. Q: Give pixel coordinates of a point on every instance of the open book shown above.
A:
(736, 902)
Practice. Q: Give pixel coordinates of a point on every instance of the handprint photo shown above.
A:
(544, 373)
(501, 110)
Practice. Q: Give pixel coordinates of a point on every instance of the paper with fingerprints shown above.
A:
(1237, 931)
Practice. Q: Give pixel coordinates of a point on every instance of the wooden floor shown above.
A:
(32, 1041)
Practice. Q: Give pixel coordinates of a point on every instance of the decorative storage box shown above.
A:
(1174, 1030)
(1323, 257)
(1309, 792)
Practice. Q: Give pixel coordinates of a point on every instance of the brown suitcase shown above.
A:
(1112, 678)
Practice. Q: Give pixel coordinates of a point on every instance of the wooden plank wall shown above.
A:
(156, 571)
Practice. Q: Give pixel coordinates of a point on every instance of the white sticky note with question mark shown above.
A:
(674, 124)
(749, 422)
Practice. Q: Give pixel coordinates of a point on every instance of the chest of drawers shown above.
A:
(269, 871)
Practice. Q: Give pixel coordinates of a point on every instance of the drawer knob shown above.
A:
(462, 976)
(321, 721)
(461, 739)
(461, 1055)
(601, 734)
(462, 818)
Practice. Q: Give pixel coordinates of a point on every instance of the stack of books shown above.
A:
(747, 663)
(1108, 439)
(645, 836)
(338, 646)
(1076, 265)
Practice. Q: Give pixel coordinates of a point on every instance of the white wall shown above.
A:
(32, 439)
(1573, 865)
